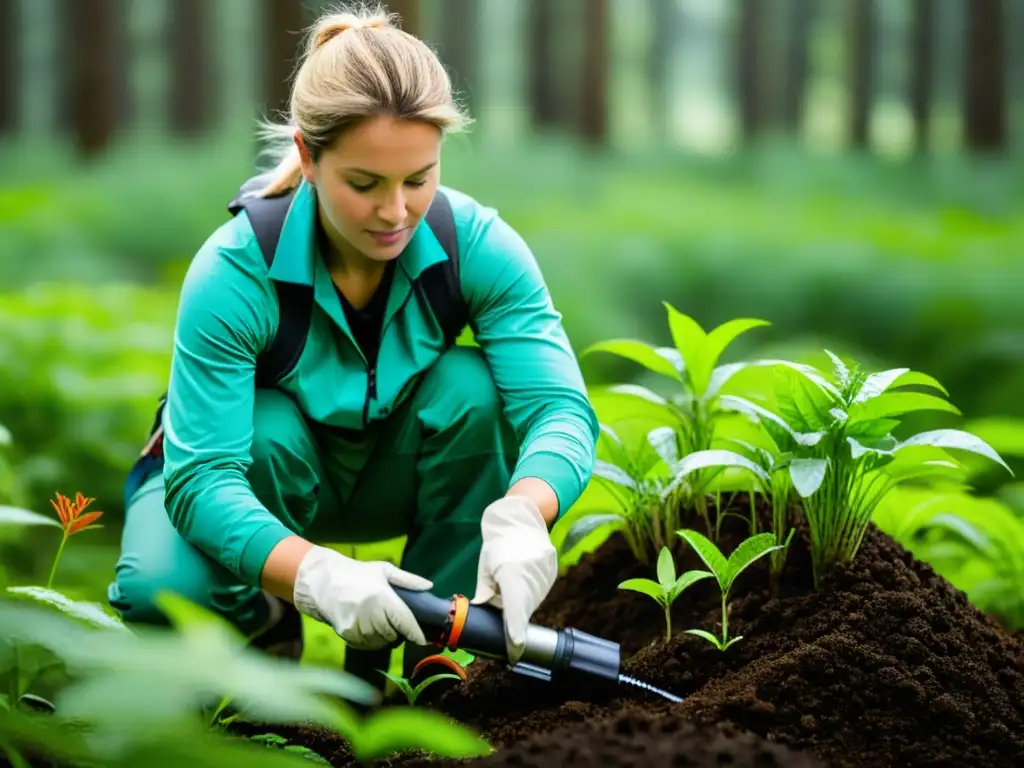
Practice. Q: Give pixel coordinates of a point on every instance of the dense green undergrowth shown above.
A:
(833, 444)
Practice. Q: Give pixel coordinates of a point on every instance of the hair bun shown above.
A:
(332, 26)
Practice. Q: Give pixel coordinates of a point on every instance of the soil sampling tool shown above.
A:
(551, 655)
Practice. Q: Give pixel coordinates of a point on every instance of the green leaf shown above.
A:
(898, 403)
(963, 528)
(644, 586)
(807, 475)
(690, 339)
(398, 729)
(711, 459)
(748, 552)
(91, 613)
(705, 636)
(877, 383)
(587, 525)
(613, 474)
(721, 376)
(955, 439)
(704, 351)
(742, 405)
(190, 618)
(709, 553)
(664, 442)
(638, 352)
(18, 516)
(666, 568)
(687, 579)
(638, 392)
(424, 684)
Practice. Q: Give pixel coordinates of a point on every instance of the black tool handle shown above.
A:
(483, 632)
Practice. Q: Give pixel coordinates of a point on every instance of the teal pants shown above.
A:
(426, 472)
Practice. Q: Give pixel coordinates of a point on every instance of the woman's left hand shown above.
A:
(518, 566)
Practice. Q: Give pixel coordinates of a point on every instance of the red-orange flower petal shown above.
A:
(84, 522)
(64, 509)
(81, 502)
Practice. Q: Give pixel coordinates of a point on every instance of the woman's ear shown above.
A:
(305, 158)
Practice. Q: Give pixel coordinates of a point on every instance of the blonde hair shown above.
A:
(358, 64)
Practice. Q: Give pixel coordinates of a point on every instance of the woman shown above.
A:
(380, 428)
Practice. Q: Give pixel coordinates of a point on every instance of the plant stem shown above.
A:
(725, 621)
(668, 623)
(56, 560)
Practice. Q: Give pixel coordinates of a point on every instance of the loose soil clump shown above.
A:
(885, 664)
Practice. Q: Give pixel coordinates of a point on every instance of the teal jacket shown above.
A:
(228, 313)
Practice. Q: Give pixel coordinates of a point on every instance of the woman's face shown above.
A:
(375, 184)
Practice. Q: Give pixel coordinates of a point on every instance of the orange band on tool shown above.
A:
(460, 605)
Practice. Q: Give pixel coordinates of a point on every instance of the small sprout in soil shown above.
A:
(726, 571)
(667, 588)
(411, 693)
(273, 741)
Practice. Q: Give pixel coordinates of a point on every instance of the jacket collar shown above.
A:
(297, 259)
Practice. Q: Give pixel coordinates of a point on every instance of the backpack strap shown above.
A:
(295, 302)
(439, 284)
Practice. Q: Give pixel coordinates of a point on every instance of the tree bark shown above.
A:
(593, 127)
(749, 39)
(862, 71)
(10, 66)
(794, 98)
(546, 106)
(95, 94)
(459, 34)
(985, 119)
(665, 25)
(922, 72)
(193, 75)
(284, 26)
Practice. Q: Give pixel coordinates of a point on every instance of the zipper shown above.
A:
(371, 391)
(371, 371)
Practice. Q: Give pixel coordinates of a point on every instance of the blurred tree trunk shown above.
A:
(547, 107)
(862, 70)
(665, 27)
(794, 97)
(985, 120)
(95, 95)
(922, 69)
(593, 119)
(10, 66)
(284, 25)
(409, 11)
(749, 41)
(459, 34)
(193, 71)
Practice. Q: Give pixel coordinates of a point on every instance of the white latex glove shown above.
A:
(356, 598)
(518, 566)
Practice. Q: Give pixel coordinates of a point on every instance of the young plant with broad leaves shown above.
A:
(675, 469)
(834, 437)
(119, 696)
(726, 571)
(667, 588)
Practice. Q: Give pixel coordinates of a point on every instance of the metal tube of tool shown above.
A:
(564, 652)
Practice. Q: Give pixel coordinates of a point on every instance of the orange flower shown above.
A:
(70, 513)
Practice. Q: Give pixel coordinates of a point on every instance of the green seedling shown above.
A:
(413, 693)
(667, 588)
(672, 470)
(726, 571)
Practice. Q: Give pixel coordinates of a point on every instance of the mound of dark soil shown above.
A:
(886, 664)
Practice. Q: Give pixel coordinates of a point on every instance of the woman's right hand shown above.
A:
(356, 598)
